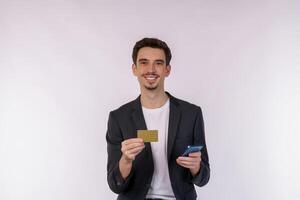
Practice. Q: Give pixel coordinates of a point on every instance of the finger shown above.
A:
(187, 164)
(132, 152)
(183, 164)
(195, 154)
(189, 159)
(134, 145)
(132, 140)
(129, 152)
(135, 150)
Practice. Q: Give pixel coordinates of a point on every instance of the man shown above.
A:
(155, 170)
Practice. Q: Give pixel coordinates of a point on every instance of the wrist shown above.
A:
(195, 171)
(125, 160)
(125, 166)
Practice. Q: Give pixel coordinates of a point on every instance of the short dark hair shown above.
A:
(153, 43)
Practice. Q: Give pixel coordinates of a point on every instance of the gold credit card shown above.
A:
(148, 135)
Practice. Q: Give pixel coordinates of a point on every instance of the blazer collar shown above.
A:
(174, 118)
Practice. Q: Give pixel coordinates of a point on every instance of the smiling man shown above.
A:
(146, 138)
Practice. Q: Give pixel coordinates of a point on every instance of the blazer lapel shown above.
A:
(174, 119)
(137, 115)
(139, 121)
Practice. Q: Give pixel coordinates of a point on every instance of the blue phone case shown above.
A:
(191, 149)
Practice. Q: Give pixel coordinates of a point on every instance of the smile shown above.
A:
(151, 77)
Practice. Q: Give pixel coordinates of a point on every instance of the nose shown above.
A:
(152, 68)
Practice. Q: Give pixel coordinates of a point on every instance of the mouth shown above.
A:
(151, 77)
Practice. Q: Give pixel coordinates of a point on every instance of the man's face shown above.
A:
(151, 68)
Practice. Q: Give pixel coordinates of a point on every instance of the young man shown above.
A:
(155, 170)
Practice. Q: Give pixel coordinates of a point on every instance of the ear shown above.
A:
(134, 69)
(168, 70)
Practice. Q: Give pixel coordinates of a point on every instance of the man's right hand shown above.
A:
(130, 149)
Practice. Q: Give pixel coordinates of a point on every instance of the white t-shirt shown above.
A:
(158, 119)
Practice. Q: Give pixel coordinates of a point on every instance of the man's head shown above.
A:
(151, 58)
(153, 43)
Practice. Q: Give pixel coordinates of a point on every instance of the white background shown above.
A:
(65, 64)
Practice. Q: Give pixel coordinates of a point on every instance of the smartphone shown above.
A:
(191, 149)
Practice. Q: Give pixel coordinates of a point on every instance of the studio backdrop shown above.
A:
(65, 64)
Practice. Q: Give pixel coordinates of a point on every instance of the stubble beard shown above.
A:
(150, 88)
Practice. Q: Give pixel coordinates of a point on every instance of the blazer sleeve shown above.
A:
(203, 175)
(114, 139)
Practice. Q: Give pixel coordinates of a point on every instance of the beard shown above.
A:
(151, 88)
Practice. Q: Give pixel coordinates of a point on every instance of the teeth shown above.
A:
(150, 78)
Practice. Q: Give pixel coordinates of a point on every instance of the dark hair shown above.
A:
(154, 43)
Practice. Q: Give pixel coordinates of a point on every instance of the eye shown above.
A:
(143, 62)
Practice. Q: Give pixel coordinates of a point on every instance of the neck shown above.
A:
(153, 99)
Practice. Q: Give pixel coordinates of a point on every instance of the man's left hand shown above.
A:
(191, 162)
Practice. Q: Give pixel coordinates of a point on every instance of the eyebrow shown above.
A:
(144, 59)
(160, 60)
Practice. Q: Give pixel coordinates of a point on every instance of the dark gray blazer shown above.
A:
(185, 128)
